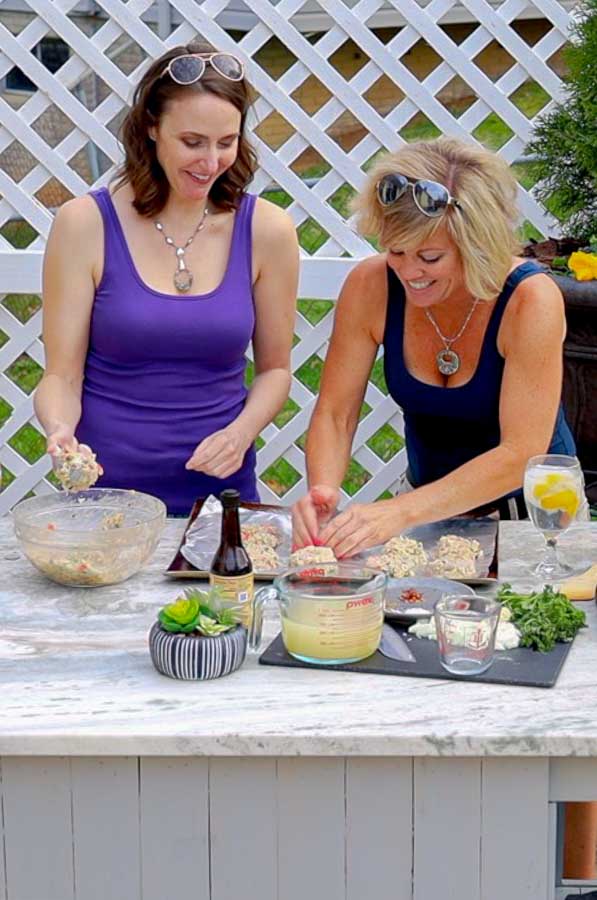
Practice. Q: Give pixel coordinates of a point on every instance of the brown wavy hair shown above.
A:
(141, 168)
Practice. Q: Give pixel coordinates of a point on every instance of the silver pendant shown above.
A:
(183, 280)
(448, 361)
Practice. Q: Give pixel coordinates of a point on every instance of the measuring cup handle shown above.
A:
(259, 600)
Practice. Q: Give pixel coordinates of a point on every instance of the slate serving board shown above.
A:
(522, 666)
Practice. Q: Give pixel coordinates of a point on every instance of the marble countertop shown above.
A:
(77, 679)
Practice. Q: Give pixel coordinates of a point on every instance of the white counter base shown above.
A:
(272, 784)
(281, 829)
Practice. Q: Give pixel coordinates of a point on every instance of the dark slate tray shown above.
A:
(522, 666)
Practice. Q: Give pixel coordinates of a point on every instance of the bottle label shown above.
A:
(236, 590)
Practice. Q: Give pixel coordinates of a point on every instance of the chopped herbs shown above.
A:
(542, 617)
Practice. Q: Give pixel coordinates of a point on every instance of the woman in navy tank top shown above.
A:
(472, 338)
(155, 287)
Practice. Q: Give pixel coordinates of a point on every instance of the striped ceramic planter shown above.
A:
(197, 657)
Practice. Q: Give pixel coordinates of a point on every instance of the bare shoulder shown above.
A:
(363, 298)
(538, 295)
(272, 223)
(369, 274)
(76, 241)
(79, 220)
(535, 312)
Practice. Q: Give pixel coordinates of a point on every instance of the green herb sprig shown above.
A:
(542, 617)
(199, 612)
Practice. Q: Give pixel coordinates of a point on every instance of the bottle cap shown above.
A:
(229, 497)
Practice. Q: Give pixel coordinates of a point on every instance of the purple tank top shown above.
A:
(164, 371)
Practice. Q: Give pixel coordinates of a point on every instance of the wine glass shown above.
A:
(554, 497)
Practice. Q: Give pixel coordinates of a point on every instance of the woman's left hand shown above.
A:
(362, 525)
(220, 454)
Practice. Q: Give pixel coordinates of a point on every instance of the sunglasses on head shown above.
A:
(191, 67)
(431, 198)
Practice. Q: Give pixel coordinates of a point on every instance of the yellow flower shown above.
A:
(584, 265)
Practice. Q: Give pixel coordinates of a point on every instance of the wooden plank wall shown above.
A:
(275, 829)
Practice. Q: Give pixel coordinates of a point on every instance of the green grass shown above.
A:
(356, 478)
(314, 310)
(420, 129)
(377, 376)
(18, 233)
(22, 306)
(311, 235)
(28, 443)
(6, 478)
(341, 199)
(279, 197)
(280, 477)
(5, 411)
(25, 373)
(287, 413)
(309, 373)
(386, 442)
(530, 98)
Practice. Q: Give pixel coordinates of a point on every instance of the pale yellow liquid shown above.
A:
(331, 632)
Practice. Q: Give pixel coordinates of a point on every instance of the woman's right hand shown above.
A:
(312, 512)
(61, 438)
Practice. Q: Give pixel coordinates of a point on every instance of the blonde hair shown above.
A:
(482, 228)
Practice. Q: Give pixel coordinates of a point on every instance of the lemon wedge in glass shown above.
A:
(556, 491)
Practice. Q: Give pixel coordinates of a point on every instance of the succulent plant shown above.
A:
(200, 612)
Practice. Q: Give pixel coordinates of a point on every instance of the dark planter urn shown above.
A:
(577, 294)
(579, 393)
(194, 657)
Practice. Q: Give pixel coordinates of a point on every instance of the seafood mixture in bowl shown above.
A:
(95, 537)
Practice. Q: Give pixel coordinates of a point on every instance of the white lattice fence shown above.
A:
(101, 51)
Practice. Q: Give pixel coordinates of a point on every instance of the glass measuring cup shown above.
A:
(331, 613)
(466, 627)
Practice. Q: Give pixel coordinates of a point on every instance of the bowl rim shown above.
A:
(20, 509)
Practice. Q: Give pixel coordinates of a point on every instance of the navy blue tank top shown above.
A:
(446, 427)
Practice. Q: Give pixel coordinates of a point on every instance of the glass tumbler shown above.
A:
(466, 628)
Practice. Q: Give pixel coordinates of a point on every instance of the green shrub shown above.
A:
(565, 140)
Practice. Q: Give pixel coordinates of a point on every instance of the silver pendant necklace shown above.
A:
(448, 361)
(183, 277)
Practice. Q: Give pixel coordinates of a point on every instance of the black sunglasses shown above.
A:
(189, 68)
(431, 198)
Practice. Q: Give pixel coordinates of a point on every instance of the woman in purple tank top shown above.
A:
(154, 289)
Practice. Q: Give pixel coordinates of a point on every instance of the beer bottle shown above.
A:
(231, 569)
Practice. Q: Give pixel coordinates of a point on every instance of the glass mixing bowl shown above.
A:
(90, 538)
